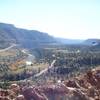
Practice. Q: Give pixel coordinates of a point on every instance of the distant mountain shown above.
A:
(26, 38)
(69, 41)
(92, 42)
(31, 38)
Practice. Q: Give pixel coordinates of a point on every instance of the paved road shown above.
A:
(30, 56)
(13, 45)
(45, 70)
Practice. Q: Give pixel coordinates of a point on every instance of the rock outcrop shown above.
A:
(84, 87)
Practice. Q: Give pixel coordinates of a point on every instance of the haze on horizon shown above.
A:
(75, 19)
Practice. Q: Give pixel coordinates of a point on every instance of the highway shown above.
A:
(2, 50)
(45, 70)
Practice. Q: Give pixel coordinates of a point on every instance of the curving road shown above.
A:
(30, 56)
(45, 70)
(13, 45)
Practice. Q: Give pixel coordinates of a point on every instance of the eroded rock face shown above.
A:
(32, 93)
(85, 87)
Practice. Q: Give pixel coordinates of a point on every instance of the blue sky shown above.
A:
(76, 19)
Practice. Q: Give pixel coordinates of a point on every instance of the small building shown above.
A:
(29, 63)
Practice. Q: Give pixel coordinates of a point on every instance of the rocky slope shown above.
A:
(84, 87)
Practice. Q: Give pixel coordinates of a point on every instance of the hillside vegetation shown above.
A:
(26, 38)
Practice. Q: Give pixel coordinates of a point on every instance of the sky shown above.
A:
(74, 19)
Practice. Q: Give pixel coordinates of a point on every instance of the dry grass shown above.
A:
(35, 67)
(8, 53)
